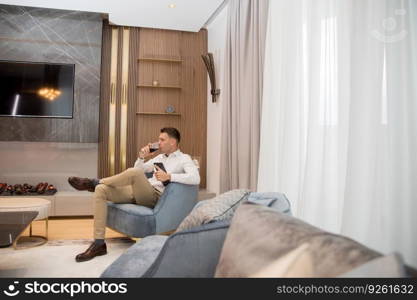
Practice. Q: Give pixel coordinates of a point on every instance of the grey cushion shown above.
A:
(137, 259)
(259, 235)
(219, 208)
(191, 253)
(390, 265)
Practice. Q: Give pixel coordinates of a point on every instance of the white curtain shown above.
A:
(339, 117)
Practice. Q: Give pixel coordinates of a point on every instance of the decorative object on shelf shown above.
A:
(155, 83)
(158, 113)
(170, 109)
(160, 59)
(209, 62)
(159, 86)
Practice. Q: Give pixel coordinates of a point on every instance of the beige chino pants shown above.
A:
(130, 186)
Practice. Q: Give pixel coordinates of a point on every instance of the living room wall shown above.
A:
(56, 36)
(36, 150)
(216, 45)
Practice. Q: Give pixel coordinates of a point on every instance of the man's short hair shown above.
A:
(172, 132)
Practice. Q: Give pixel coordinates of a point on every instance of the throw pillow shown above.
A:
(271, 199)
(296, 263)
(219, 208)
(259, 235)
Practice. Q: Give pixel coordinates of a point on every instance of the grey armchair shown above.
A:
(138, 221)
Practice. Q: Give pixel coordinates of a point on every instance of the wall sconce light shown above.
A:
(209, 62)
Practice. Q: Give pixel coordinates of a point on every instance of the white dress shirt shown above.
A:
(179, 165)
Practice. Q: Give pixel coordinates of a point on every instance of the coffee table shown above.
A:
(12, 225)
(39, 205)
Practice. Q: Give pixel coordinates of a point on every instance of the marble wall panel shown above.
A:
(57, 36)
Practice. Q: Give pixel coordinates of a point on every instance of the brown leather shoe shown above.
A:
(82, 184)
(92, 252)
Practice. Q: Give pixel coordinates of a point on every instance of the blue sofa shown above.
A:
(138, 221)
(195, 252)
(189, 253)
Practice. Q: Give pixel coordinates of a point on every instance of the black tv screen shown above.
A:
(29, 89)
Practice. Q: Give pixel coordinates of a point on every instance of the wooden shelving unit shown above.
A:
(172, 60)
(165, 73)
(170, 73)
(158, 114)
(159, 86)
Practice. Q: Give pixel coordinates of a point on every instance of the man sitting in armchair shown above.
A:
(132, 185)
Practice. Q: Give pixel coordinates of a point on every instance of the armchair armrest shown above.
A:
(173, 206)
(191, 253)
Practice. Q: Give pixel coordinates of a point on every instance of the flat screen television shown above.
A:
(31, 89)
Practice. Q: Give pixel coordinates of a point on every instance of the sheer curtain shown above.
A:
(339, 117)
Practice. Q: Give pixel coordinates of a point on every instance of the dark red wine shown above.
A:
(154, 148)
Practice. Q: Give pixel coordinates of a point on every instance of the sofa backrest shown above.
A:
(191, 253)
(259, 235)
(174, 205)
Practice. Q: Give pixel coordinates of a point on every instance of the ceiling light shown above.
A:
(172, 5)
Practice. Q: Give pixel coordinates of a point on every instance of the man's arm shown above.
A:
(191, 175)
(140, 162)
(146, 166)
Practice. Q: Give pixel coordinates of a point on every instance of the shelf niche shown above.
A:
(159, 86)
(158, 113)
(169, 60)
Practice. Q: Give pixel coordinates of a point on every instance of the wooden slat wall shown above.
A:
(167, 73)
(132, 95)
(103, 162)
(118, 99)
(190, 100)
(194, 97)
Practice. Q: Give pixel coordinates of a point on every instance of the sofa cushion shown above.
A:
(137, 259)
(191, 253)
(296, 263)
(259, 235)
(219, 208)
(390, 265)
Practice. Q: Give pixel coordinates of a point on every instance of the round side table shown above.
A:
(28, 204)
